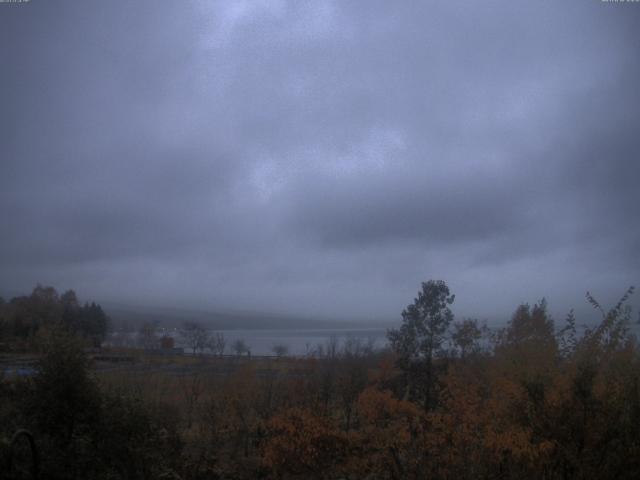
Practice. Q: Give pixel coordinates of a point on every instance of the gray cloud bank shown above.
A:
(320, 158)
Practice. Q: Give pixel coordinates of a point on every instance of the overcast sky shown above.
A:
(321, 158)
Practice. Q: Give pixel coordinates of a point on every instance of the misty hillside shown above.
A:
(131, 317)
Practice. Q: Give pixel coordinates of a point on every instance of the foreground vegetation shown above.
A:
(447, 400)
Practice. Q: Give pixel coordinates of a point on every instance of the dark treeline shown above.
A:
(23, 318)
(448, 400)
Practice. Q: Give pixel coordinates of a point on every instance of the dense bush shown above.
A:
(83, 432)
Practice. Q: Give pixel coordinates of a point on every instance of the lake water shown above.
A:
(301, 342)
(261, 342)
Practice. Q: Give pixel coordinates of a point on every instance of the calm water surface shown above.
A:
(262, 342)
(300, 342)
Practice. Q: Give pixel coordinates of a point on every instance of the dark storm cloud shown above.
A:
(324, 156)
(359, 212)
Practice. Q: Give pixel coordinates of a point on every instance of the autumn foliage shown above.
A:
(536, 402)
(532, 400)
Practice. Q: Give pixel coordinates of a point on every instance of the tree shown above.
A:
(94, 323)
(65, 399)
(612, 333)
(63, 385)
(192, 387)
(280, 350)
(4, 323)
(147, 337)
(466, 336)
(25, 315)
(217, 343)
(195, 336)
(331, 346)
(420, 337)
(387, 443)
(70, 311)
(567, 337)
(302, 443)
(529, 342)
(351, 380)
(240, 347)
(531, 326)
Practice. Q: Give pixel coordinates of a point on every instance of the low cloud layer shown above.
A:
(320, 158)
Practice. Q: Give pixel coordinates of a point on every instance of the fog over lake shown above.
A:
(301, 342)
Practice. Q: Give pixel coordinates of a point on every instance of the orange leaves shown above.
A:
(388, 438)
(456, 431)
(300, 441)
(381, 408)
